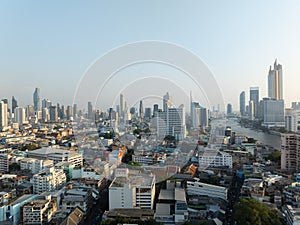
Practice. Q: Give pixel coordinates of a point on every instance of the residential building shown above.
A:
(12, 210)
(35, 165)
(214, 158)
(4, 163)
(3, 115)
(290, 152)
(131, 191)
(57, 155)
(292, 119)
(198, 188)
(47, 180)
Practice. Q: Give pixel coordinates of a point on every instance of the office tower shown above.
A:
(46, 103)
(254, 96)
(171, 122)
(53, 113)
(148, 113)
(75, 111)
(273, 112)
(132, 111)
(199, 115)
(14, 104)
(275, 84)
(229, 109)
(242, 103)
(167, 102)
(251, 110)
(3, 115)
(155, 109)
(141, 109)
(62, 112)
(90, 111)
(69, 112)
(30, 111)
(122, 105)
(20, 115)
(37, 100)
(45, 114)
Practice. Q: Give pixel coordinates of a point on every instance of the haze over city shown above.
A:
(50, 45)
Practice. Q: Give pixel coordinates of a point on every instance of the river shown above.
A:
(265, 138)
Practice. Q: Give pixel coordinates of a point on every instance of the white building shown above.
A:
(11, 211)
(171, 122)
(34, 165)
(20, 115)
(214, 158)
(57, 155)
(48, 180)
(275, 84)
(136, 191)
(292, 119)
(199, 188)
(4, 162)
(3, 115)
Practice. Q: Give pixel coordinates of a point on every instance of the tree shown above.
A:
(274, 156)
(14, 167)
(250, 211)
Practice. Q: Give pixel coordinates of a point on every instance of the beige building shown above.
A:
(290, 152)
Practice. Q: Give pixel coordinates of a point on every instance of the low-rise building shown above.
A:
(34, 165)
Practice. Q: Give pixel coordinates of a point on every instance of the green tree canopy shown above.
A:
(250, 211)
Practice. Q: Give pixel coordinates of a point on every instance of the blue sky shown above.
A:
(50, 44)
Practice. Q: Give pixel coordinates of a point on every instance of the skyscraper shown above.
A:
(3, 115)
(141, 109)
(167, 102)
(242, 103)
(14, 104)
(37, 100)
(20, 115)
(229, 109)
(275, 85)
(254, 96)
(90, 110)
(122, 105)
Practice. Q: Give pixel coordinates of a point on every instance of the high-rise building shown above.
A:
(148, 113)
(46, 103)
(14, 104)
(242, 103)
(199, 115)
(254, 96)
(229, 109)
(90, 111)
(251, 112)
(167, 102)
(20, 115)
(53, 113)
(141, 109)
(30, 111)
(3, 115)
(292, 120)
(273, 112)
(37, 100)
(275, 84)
(290, 152)
(171, 122)
(122, 105)
(75, 111)
(69, 112)
(155, 109)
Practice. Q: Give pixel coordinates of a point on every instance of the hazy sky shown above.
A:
(50, 44)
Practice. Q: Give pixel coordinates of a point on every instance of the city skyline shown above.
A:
(53, 53)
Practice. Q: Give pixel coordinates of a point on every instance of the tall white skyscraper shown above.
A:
(275, 84)
(3, 115)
